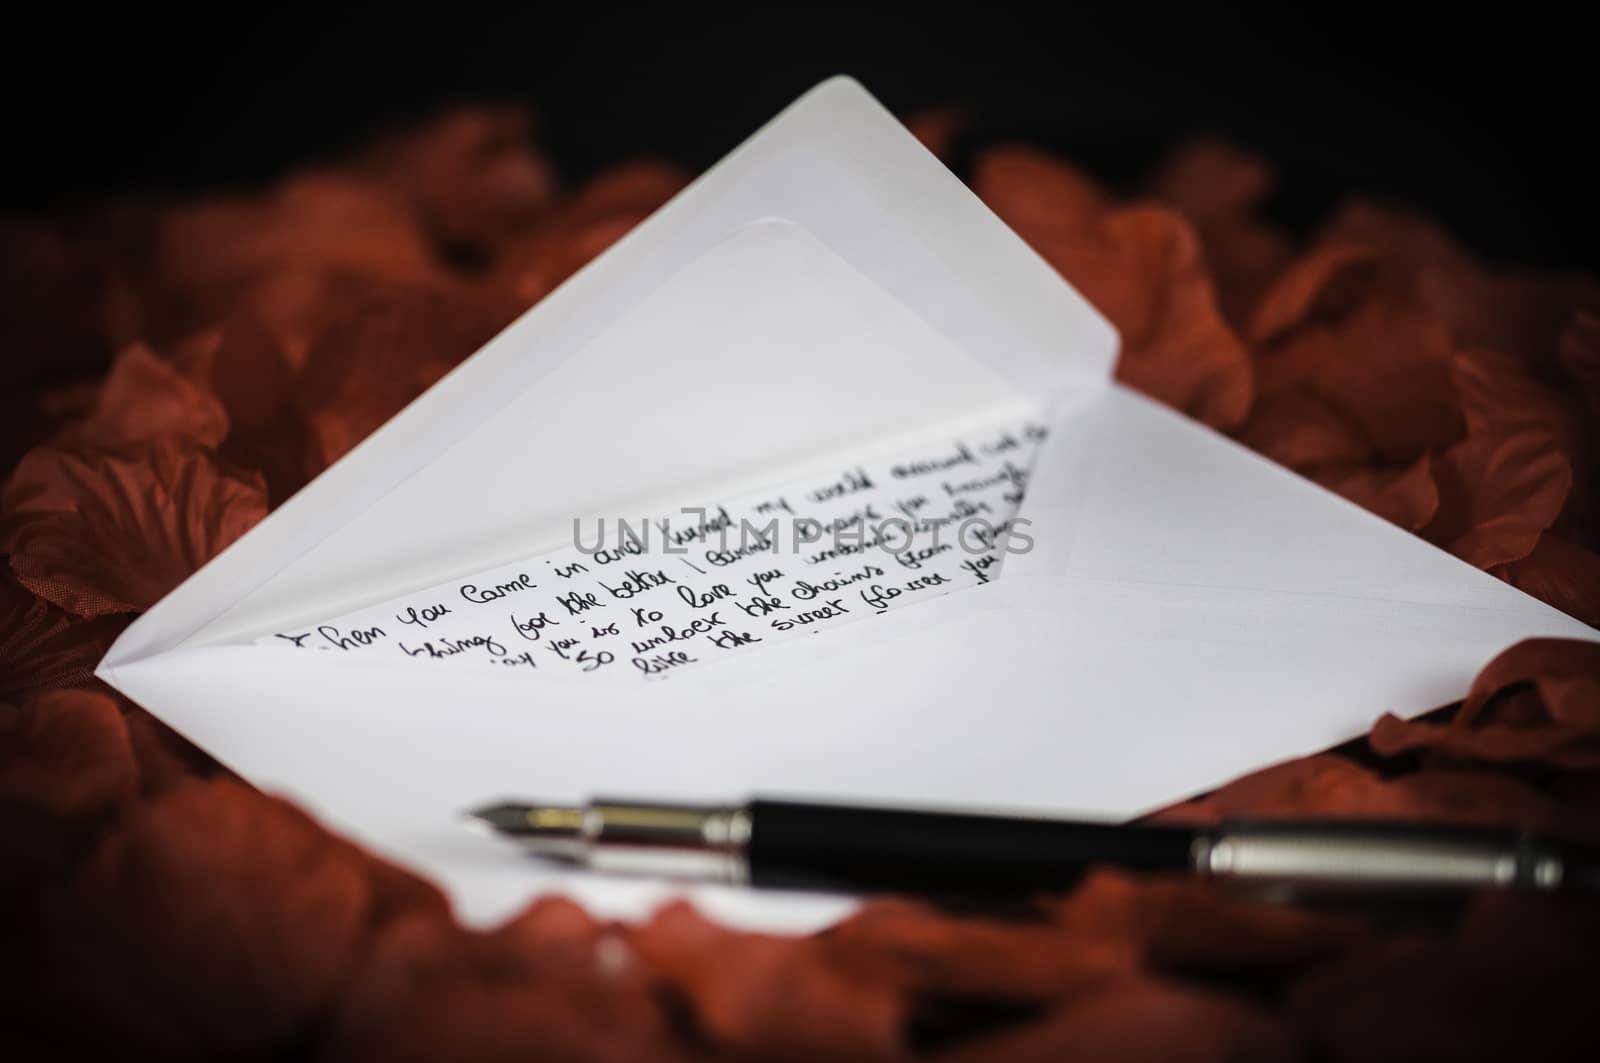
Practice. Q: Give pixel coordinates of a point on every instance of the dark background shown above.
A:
(1484, 121)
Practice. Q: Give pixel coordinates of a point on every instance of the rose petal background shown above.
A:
(172, 371)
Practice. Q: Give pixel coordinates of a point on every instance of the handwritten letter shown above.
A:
(648, 597)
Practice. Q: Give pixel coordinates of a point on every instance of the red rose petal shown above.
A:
(67, 755)
(1183, 924)
(145, 398)
(1322, 285)
(1217, 187)
(554, 979)
(569, 236)
(1497, 494)
(105, 533)
(1541, 662)
(66, 771)
(1560, 573)
(938, 128)
(1303, 432)
(276, 914)
(244, 364)
(42, 648)
(370, 365)
(326, 220)
(1385, 366)
(1557, 722)
(385, 353)
(1520, 313)
(249, 368)
(747, 990)
(1044, 199)
(1149, 277)
(1407, 497)
(472, 175)
(1208, 180)
(293, 259)
(909, 946)
(1142, 266)
(166, 760)
(1573, 748)
(1500, 396)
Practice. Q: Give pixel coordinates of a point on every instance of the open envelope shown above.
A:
(828, 292)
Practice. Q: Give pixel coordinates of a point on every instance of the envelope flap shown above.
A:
(836, 165)
(763, 357)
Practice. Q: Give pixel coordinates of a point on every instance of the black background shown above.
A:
(1484, 121)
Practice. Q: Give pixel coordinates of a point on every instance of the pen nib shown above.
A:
(546, 830)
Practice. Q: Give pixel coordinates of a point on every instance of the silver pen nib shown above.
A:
(545, 830)
(629, 837)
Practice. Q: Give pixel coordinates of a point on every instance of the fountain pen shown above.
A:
(799, 845)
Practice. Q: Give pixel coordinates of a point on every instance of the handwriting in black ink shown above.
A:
(627, 548)
(698, 600)
(590, 660)
(909, 506)
(761, 605)
(533, 627)
(662, 662)
(804, 590)
(832, 608)
(451, 647)
(579, 602)
(670, 634)
(878, 597)
(752, 541)
(422, 618)
(635, 581)
(962, 456)
(472, 594)
(980, 566)
(727, 640)
(847, 484)
(915, 558)
(760, 580)
(354, 640)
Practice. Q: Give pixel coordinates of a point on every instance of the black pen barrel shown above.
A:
(817, 846)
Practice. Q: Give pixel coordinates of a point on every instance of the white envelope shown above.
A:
(1190, 611)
